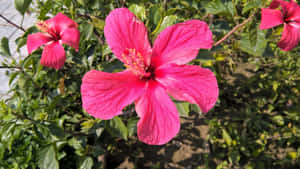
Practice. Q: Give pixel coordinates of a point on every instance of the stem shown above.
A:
(99, 38)
(13, 24)
(235, 29)
(123, 3)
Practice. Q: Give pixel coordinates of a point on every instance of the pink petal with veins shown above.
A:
(71, 37)
(180, 43)
(290, 38)
(60, 22)
(124, 31)
(270, 18)
(159, 121)
(53, 55)
(190, 83)
(34, 41)
(104, 95)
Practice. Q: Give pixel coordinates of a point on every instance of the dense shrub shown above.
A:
(255, 123)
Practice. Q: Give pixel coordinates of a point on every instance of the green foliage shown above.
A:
(22, 5)
(254, 42)
(255, 123)
(47, 158)
(4, 50)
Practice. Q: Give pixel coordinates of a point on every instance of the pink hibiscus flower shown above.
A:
(289, 15)
(150, 75)
(56, 31)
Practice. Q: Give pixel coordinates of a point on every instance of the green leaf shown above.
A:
(56, 130)
(76, 143)
(254, 42)
(250, 5)
(7, 134)
(138, 10)
(83, 2)
(155, 14)
(20, 41)
(218, 7)
(22, 5)
(168, 21)
(86, 30)
(2, 150)
(118, 128)
(183, 108)
(4, 48)
(195, 108)
(12, 77)
(87, 163)
(226, 137)
(47, 158)
(132, 126)
(98, 23)
(278, 120)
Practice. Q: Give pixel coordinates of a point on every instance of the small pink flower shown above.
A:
(151, 74)
(289, 15)
(56, 31)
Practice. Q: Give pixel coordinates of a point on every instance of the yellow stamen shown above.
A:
(42, 26)
(134, 61)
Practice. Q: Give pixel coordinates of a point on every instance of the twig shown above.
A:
(10, 67)
(84, 16)
(211, 19)
(13, 24)
(235, 29)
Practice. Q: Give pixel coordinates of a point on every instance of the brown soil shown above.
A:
(185, 151)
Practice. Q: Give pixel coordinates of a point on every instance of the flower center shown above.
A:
(44, 27)
(134, 61)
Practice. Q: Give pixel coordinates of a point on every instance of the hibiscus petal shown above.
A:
(180, 43)
(292, 11)
(159, 121)
(71, 37)
(275, 4)
(104, 95)
(60, 22)
(124, 31)
(53, 55)
(34, 41)
(290, 38)
(190, 83)
(270, 18)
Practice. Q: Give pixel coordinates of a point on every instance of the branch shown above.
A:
(13, 24)
(235, 29)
